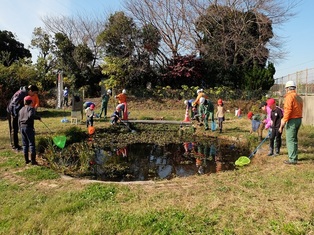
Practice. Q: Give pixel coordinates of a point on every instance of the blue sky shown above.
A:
(22, 16)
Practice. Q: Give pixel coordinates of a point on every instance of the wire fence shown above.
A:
(304, 80)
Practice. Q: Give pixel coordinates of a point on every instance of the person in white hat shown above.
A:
(104, 103)
(292, 119)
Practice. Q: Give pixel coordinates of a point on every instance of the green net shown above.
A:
(242, 161)
(59, 141)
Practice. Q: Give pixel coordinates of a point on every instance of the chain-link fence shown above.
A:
(304, 80)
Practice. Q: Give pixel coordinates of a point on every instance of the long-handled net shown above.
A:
(59, 141)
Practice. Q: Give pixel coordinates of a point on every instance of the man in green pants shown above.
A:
(292, 119)
(206, 111)
(104, 103)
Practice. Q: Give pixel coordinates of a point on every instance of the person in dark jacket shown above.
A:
(26, 118)
(275, 116)
(13, 108)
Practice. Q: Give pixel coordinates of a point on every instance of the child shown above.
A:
(114, 117)
(255, 119)
(27, 115)
(220, 114)
(193, 110)
(88, 104)
(275, 116)
(90, 115)
(266, 121)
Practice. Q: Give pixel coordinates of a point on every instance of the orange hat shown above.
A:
(270, 102)
(219, 101)
(250, 115)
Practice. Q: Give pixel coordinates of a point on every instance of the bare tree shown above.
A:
(171, 19)
(82, 29)
(177, 22)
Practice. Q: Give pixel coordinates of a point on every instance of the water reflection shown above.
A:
(140, 162)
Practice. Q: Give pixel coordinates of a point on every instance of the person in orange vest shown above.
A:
(35, 103)
(292, 120)
(122, 99)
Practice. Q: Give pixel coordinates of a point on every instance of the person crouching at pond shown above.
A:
(117, 114)
(88, 104)
(220, 114)
(193, 110)
(255, 121)
(114, 117)
(27, 115)
(90, 115)
(206, 111)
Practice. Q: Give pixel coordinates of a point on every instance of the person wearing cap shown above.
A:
(13, 108)
(26, 118)
(65, 97)
(89, 111)
(200, 93)
(88, 104)
(193, 110)
(220, 114)
(122, 99)
(275, 116)
(196, 103)
(292, 120)
(206, 111)
(104, 103)
(255, 120)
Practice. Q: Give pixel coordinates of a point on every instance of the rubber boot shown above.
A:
(33, 158)
(271, 152)
(26, 158)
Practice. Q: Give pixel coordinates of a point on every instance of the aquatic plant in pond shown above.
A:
(158, 153)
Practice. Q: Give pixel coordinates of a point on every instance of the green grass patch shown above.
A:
(39, 173)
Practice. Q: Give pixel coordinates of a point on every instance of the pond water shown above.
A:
(146, 161)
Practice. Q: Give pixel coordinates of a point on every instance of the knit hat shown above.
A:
(250, 115)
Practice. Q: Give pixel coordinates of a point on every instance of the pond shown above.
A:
(153, 152)
(146, 161)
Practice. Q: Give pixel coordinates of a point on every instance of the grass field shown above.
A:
(265, 197)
